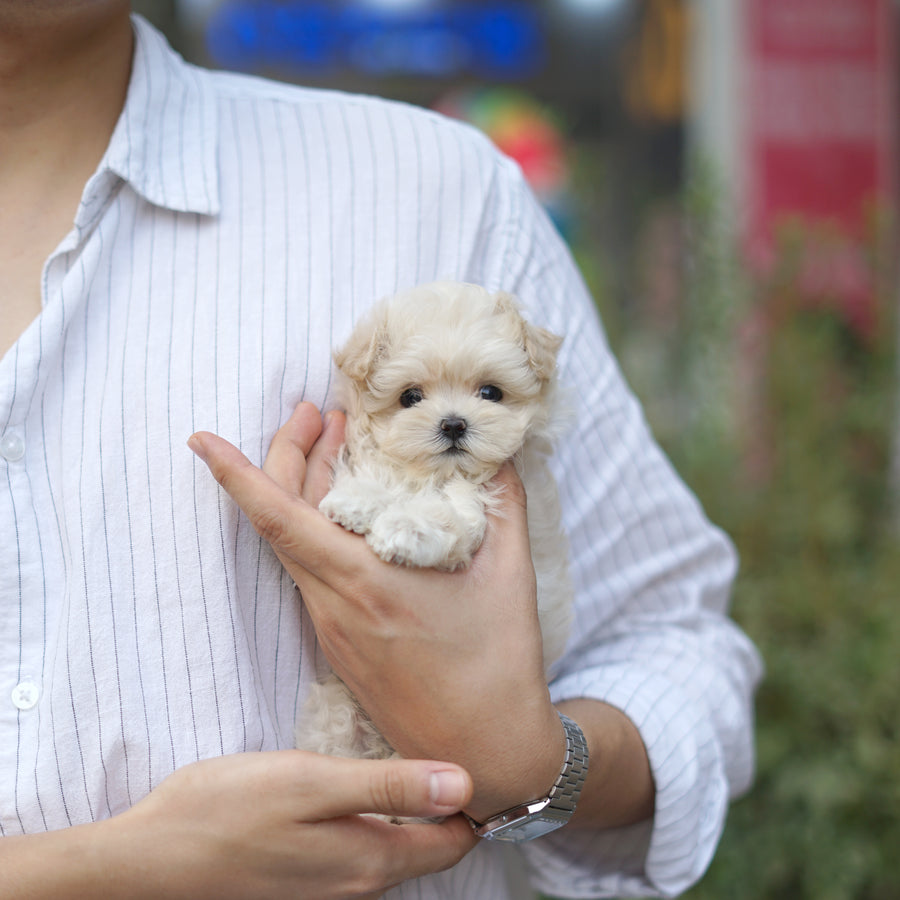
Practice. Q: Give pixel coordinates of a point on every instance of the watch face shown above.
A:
(524, 829)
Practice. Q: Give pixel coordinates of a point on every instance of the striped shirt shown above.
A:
(232, 234)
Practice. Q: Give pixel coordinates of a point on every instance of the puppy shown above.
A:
(441, 385)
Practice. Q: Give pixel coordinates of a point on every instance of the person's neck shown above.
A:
(64, 72)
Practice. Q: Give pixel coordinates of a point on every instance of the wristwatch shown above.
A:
(531, 820)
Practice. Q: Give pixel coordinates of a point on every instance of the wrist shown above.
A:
(620, 789)
(555, 807)
(59, 865)
(525, 769)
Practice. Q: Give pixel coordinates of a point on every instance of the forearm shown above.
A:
(72, 863)
(619, 788)
(283, 824)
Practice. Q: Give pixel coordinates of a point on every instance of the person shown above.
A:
(227, 233)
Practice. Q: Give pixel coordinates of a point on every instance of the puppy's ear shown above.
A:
(540, 345)
(365, 348)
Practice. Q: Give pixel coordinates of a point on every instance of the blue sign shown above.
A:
(492, 40)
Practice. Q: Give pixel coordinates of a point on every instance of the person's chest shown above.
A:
(25, 243)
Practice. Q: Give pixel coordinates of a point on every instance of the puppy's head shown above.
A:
(447, 379)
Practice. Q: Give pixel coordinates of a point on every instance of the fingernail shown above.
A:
(196, 446)
(449, 789)
(330, 418)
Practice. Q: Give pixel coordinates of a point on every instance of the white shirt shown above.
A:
(233, 232)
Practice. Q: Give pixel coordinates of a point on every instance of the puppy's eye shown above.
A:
(411, 396)
(490, 392)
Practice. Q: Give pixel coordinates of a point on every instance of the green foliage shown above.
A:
(821, 822)
(818, 592)
(787, 397)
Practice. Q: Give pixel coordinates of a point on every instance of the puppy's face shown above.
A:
(448, 379)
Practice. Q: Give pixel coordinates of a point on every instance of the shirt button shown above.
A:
(25, 694)
(12, 447)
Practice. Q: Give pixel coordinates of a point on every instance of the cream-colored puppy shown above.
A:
(441, 384)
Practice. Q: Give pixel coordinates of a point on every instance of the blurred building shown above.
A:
(590, 91)
(797, 103)
(684, 147)
(793, 101)
(564, 51)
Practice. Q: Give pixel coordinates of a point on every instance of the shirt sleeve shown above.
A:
(651, 634)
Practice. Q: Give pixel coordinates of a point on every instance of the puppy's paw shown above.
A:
(398, 537)
(353, 510)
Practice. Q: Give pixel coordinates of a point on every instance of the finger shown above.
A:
(321, 459)
(508, 520)
(418, 850)
(296, 531)
(392, 787)
(286, 461)
(512, 491)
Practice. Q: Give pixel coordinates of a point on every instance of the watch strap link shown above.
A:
(567, 789)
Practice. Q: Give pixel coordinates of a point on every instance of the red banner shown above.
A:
(821, 138)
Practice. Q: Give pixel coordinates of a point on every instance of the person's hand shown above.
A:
(283, 824)
(448, 665)
(288, 824)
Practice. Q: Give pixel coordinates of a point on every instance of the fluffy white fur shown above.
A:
(441, 385)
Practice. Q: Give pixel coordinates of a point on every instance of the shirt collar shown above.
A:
(165, 142)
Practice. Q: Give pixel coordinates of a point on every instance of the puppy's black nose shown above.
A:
(454, 427)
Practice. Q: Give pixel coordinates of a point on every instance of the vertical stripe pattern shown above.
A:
(233, 233)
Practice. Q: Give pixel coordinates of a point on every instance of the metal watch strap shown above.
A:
(565, 792)
(557, 807)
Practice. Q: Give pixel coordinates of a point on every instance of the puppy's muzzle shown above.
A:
(454, 429)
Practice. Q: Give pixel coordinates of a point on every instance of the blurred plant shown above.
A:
(827, 387)
(676, 326)
(775, 396)
(809, 513)
(821, 822)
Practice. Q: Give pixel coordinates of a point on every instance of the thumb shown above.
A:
(321, 458)
(510, 488)
(394, 787)
(508, 514)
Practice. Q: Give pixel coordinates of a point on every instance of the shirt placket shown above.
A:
(31, 569)
(22, 587)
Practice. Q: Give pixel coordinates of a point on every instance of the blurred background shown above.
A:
(725, 172)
